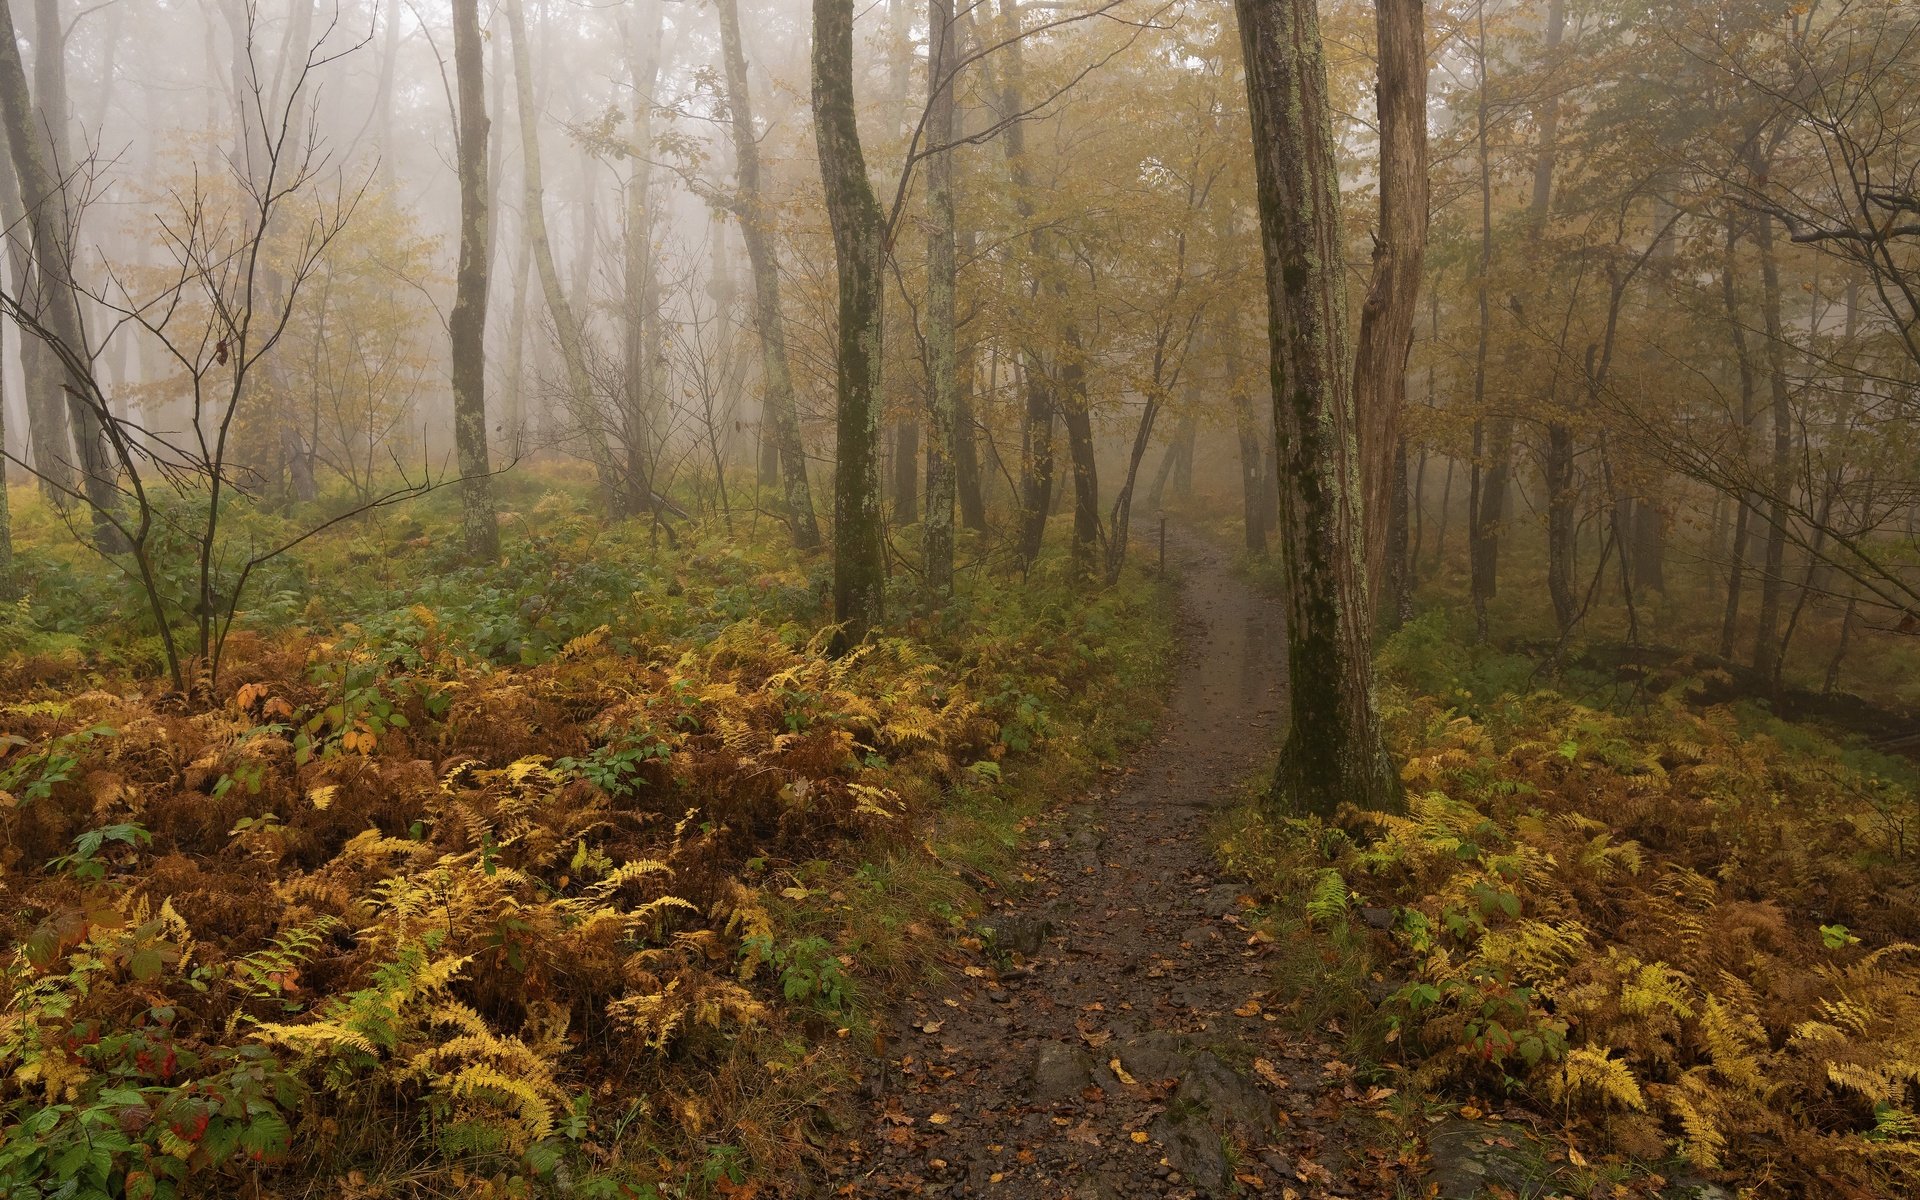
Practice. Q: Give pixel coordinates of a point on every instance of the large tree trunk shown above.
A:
(49, 223)
(566, 327)
(859, 525)
(1399, 248)
(776, 381)
(1335, 753)
(1743, 501)
(468, 323)
(942, 280)
(1766, 637)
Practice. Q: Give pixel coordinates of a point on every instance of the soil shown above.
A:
(1112, 1033)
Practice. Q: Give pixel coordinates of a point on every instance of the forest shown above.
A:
(1068, 599)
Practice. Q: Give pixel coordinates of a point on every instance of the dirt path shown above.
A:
(1111, 1037)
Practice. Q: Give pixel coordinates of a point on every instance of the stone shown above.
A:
(1194, 1149)
(1059, 1072)
(1222, 900)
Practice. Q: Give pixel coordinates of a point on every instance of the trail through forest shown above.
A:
(1111, 1035)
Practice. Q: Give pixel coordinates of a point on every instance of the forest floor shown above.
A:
(1110, 1031)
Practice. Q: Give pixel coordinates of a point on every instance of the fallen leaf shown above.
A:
(1267, 1071)
(1120, 1072)
(931, 1026)
(1139, 1136)
(1250, 1009)
(938, 1118)
(1084, 1133)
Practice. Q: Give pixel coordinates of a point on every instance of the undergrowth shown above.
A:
(577, 874)
(1682, 931)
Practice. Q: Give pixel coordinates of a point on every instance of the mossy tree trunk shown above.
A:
(1335, 753)
(468, 323)
(859, 524)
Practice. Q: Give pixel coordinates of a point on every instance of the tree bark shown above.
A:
(1335, 753)
(942, 281)
(468, 323)
(859, 526)
(1399, 248)
(776, 380)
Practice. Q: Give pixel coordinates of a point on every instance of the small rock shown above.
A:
(1222, 900)
(1379, 918)
(1059, 1072)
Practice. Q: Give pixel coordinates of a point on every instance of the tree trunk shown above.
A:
(641, 300)
(942, 281)
(1077, 416)
(1036, 458)
(966, 446)
(776, 381)
(514, 371)
(1766, 637)
(1036, 441)
(468, 323)
(48, 434)
(7, 591)
(859, 526)
(566, 328)
(50, 223)
(1492, 440)
(1335, 753)
(1253, 473)
(1399, 248)
(1557, 466)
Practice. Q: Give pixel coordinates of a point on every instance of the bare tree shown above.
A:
(217, 321)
